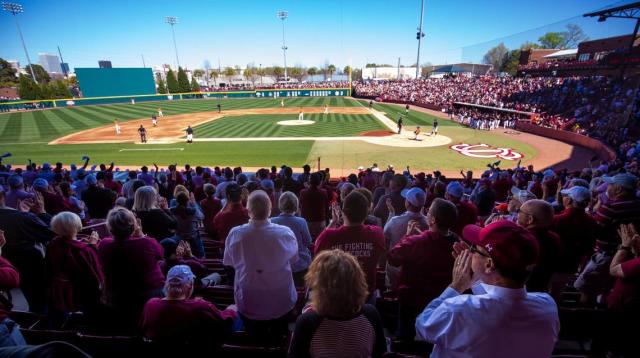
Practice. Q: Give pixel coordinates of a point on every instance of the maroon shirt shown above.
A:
(467, 215)
(314, 204)
(426, 264)
(548, 259)
(76, 274)
(625, 296)
(130, 267)
(365, 242)
(184, 320)
(227, 219)
(9, 279)
(502, 188)
(577, 232)
(210, 207)
(55, 203)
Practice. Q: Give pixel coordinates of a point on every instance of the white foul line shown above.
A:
(132, 150)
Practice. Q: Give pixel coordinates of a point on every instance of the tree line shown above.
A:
(45, 88)
(504, 60)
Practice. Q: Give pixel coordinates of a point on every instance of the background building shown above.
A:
(50, 63)
(104, 64)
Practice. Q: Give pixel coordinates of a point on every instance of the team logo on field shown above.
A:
(485, 151)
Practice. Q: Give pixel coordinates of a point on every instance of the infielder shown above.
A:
(143, 134)
(417, 132)
(434, 131)
(406, 109)
(282, 103)
(154, 120)
(160, 112)
(326, 109)
(400, 124)
(301, 116)
(115, 123)
(189, 131)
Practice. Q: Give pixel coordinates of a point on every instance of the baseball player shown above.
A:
(434, 131)
(326, 109)
(143, 134)
(300, 115)
(117, 125)
(406, 109)
(400, 124)
(133, 101)
(417, 132)
(160, 112)
(154, 120)
(282, 103)
(189, 131)
(219, 108)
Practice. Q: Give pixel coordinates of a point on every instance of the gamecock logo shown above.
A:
(485, 151)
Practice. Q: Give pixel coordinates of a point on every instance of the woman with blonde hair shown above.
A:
(153, 212)
(338, 323)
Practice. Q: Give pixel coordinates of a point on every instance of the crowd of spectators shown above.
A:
(458, 255)
(596, 106)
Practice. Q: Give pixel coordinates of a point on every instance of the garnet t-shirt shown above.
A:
(365, 242)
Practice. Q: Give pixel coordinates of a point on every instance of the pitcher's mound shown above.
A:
(296, 122)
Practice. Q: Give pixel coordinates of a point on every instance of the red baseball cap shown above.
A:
(510, 245)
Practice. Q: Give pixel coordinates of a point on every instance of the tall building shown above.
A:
(50, 63)
(104, 64)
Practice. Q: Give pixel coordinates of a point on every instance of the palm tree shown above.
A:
(331, 69)
(229, 72)
(215, 74)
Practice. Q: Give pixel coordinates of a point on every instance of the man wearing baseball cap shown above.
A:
(500, 318)
(467, 211)
(16, 191)
(179, 318)
(484, 197)
(623, 207)
(396, 228)
(575, 227)
(425, 260)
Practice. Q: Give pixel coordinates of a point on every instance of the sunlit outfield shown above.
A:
(26, 134)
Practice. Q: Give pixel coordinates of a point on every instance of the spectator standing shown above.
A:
(9, 279)
(188, 216)
(261, 254)
(365, 242)
(396, 228)
(425, 261)
(131, 272)
(314, 205)
(97, 199)
(76, 275)
(156, 220)
(495, 267)
(397, 184)
(288, 204)
(211, 206)
(537, 216)
(338, 322)
(233, 214)
(26, 233)
(484, 198)
(467, 211)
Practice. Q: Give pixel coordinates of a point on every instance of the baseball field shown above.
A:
(256, 132)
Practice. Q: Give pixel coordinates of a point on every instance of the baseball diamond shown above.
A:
(247, 133)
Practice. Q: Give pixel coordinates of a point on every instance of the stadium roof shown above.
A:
(563, 53)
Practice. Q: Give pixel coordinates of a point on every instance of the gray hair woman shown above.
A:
(130, 263)
(288, 204)
(75, 269)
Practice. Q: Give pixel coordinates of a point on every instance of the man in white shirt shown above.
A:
(500, 318)
(261, 254)
(396, 228)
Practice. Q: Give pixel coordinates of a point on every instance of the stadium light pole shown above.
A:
(16, 9)
(282, 15)
(419, 36)
(172, 20)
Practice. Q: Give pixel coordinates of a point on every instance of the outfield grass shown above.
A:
(266, 125)
(46, 125)
(25, 134)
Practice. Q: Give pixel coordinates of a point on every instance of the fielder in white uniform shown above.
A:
(160, 112)
(301, 116)
(326, 109)
(117, 127)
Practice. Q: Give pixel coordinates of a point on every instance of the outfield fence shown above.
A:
(19, 105)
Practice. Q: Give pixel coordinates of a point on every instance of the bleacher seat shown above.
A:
(221, 296)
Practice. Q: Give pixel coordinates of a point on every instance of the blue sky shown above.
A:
(246, 31)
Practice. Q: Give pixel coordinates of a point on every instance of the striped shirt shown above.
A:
(610, 215)
(360, 335)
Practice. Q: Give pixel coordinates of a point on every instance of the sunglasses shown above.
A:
(474, 249)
